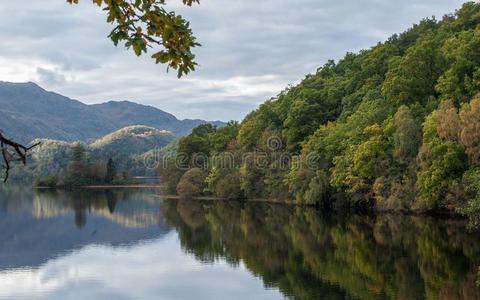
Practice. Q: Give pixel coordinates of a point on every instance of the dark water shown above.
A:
(128, 244)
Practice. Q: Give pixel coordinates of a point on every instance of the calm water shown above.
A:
(132, 245)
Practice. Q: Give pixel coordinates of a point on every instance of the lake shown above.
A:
(131, 244)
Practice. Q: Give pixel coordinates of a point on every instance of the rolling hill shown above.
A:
(135, 139)
(126, 146)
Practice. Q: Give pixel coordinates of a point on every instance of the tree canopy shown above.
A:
(146, 24)
(394, 127)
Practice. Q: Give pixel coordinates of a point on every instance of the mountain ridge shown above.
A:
(28, 112)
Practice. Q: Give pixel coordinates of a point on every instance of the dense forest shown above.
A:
(395, 127)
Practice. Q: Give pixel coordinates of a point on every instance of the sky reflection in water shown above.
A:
(132, 245)
(57, 248)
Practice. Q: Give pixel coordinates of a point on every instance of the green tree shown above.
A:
(318, 189)
(462, 80)
(198, 142)
(369, 155)
(78, 153)
(77, 171)
(442, 162)
(471, 181)
(170, 174)
(222, 137)
(412, 77)
(315, 102)
(467, 17)
(111, 171)
(266, 117)
(192, 183)
(203, 130)
(98, 171)
(407, 135)
(228, 187)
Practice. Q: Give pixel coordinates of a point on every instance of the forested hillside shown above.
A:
(395, 127)
(58, 163)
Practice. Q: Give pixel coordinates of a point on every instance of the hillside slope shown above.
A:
(125, 146)
(133, 140)
(395, 127)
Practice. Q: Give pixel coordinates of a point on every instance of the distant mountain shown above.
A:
(125, 113)
(27, 112)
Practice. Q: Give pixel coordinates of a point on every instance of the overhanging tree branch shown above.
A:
(147, 24)
(12, 151)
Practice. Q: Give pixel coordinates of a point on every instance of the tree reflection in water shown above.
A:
(300, 251)
(308, 255)
(137, 208)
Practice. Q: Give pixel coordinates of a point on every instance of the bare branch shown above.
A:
(11, 152)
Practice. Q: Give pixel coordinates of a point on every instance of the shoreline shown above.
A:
(170, 197)
(211, 198)
(126, 186)
(451, 214)
(445, 213)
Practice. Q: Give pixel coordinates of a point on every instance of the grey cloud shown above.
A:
(50, 77)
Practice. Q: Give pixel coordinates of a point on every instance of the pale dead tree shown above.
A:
(13, 152)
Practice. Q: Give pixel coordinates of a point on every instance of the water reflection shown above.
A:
(309, 256)
(126, 244)
(105, 245)
(133, 209)
(38, 226)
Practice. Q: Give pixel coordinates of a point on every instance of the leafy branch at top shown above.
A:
(143, 24)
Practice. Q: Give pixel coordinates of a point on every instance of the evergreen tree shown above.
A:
(78, 153)
(111, 171)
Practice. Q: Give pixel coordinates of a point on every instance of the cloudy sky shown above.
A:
(251, 49)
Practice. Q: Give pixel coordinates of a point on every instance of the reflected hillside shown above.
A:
(135, 209)
(309, 256)
(38, 225)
